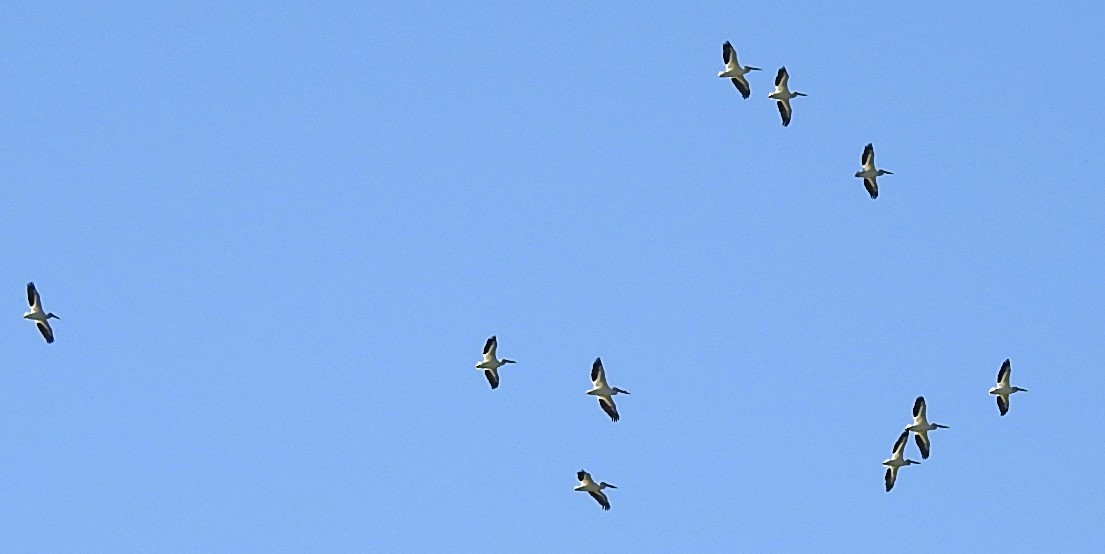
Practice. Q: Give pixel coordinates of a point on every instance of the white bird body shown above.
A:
(604, 391)
(734, 70)
(869, 173)
(1002, 390)
(921, 427)
(589, 486)
(490, 363)
(783, 95)
(897, 460)
(40, 316)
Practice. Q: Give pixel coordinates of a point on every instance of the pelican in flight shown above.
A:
(782, 94)
(588, 485)
(921, 427)
(897, 460)
(38, 315)
(603, 391)
(490, 364)
(734, 70)
(869, 173)
(1003, 390)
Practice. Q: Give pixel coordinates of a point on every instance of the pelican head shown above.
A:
(885, 172)
(911, 462)
(799, 94)
(506, 361)
(51, 315)
(859, 174)
(605, 485)
(1018, 389)
(939, 426)
(620, 391)
(750, 68)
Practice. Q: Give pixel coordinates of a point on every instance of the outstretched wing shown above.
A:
(582, 475)
(922, 445)
(781, 77)
(47, 332)
(1003, 405)
(608, 406)
(742, 86)
(489, 346)
(868, 155)
(784, 111)
(32, 295)
(600, 498)
(899, 445)
(872, 188)
(598, 374)
(891, 476)
(727, 54)
(1003, 373)
(919, 408)
(492, 377)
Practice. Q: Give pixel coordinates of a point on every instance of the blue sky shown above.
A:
(277, 238)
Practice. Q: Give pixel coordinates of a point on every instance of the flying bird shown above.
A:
(586, 484)
(896, 460)
(869, 173)
(734, 70)
(490, 364)
(921, 427)
(1003, 390)
(782, 95)
(38, 315)
(603, 391)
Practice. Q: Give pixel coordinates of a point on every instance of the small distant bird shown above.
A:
(586, 484)
(897, 460)
(38, 315)
(921, 427)
(734, 70)
(490, 364)
(603, 391)
(869, 172)
(782, 94)
(1003, 390)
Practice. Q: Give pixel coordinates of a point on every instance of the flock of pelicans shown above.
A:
(920, 427)
(782, 96)
(491, 363)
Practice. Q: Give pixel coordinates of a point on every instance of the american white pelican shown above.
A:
(38, 315)
(896, 460)
(782, 95)
(603, 391)
(869, 173)
(490, 364)
(921, 427)
(1003, 390)
(586, 484)
(734, 70)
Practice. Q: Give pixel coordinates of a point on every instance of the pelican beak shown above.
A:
(750, 68)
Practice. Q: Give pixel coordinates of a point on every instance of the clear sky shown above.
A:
(278, 236)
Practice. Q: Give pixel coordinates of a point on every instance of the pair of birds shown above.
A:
(491, 363)
(921, 426)
(782, 96)
(736, 72)
(38, 315)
